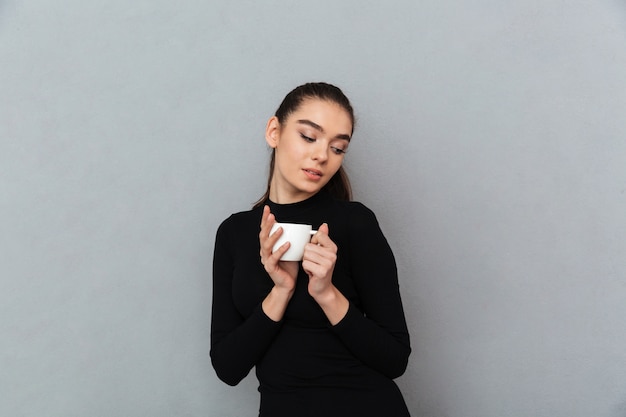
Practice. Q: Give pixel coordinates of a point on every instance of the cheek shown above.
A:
(338, 159)
(287, 158)
(336, 162)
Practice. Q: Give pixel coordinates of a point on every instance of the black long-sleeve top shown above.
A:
(306, 366)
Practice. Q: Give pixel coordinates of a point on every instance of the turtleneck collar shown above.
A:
(293, 211)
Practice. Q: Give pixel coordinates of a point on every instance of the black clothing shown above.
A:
(305, 366)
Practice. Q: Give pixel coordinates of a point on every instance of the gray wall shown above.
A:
(491, 143)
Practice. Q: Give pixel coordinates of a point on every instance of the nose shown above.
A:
(320, 153)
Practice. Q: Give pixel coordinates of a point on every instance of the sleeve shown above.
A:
(237, 342)
(378, 334)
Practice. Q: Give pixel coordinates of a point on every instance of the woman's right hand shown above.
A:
(283, 273)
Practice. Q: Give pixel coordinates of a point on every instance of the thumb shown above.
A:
(323, 228)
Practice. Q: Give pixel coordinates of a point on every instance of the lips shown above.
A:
(313, 174)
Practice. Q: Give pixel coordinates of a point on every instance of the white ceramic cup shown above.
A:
(298, 235)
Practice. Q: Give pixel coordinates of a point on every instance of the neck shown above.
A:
(280, 196)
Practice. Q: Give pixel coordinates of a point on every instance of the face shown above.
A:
(309, 149)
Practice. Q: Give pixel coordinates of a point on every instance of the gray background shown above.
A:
(491, 143)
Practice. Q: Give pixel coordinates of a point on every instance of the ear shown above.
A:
(272, 132)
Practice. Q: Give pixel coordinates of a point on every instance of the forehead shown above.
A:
(329, 115)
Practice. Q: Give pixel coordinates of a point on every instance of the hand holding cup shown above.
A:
(298, 235)
(283, 274)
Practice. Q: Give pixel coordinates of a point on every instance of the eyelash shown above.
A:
(337, 151)
(307, 139)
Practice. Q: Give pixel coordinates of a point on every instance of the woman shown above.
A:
(327, 335)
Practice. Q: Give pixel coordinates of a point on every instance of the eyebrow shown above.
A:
(321, 129)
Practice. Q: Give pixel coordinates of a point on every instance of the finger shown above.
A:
(321, 231)
(313, 249)
(319, 255)
(274, 258)
(266, 212)
(267, 221)
(267, 243)
(311, 260)
(313, 269)
(321, 238)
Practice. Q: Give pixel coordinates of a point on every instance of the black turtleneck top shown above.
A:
(306, 366)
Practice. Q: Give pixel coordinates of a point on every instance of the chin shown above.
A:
(309, 190)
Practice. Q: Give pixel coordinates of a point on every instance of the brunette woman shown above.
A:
(327, 335)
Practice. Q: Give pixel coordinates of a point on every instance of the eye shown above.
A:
(307, 139)
(338, 151)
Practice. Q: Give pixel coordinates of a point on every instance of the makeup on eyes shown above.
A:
(307, 138)
(337, 150)
(305, 122)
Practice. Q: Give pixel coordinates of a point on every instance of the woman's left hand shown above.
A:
(319, 262)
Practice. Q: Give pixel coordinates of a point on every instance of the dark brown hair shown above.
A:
(339, 185)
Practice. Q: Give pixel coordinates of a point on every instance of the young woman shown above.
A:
(327, 335)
